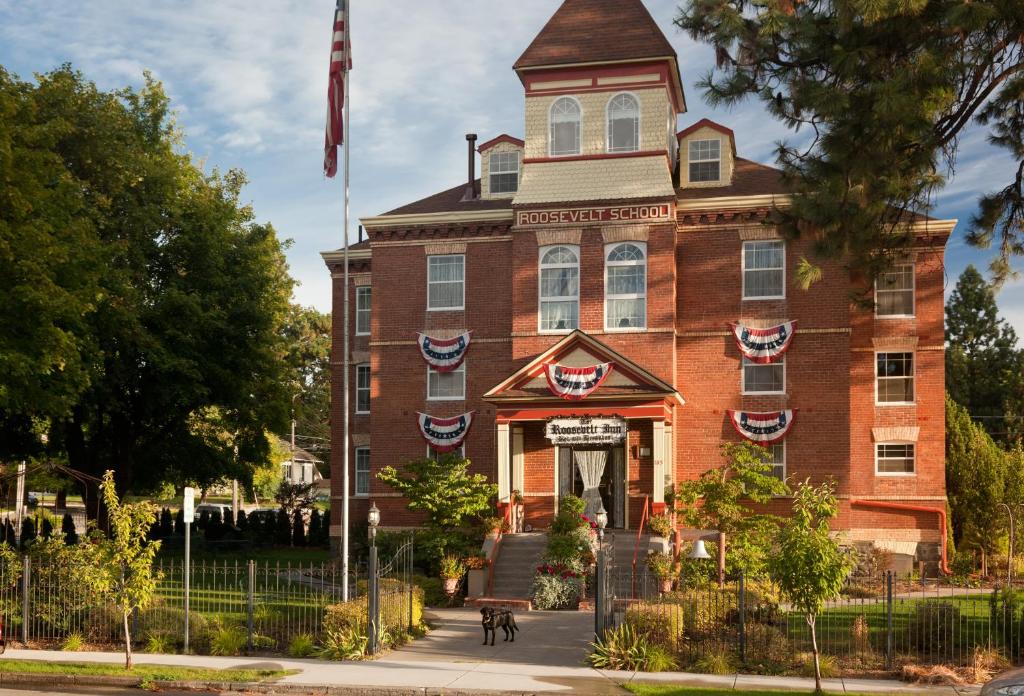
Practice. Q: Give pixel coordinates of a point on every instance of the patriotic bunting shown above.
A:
(762, 428)
(575, 383)
(443, 354)
(444, 434)
(763, 345)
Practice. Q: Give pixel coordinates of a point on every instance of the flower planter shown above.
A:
(451, 586)
(665, 585)
(477, 581)
(659, 544)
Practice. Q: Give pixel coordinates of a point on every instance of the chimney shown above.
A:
(360, 233)
(470, 193)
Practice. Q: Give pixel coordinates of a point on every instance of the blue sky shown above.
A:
(248, 82)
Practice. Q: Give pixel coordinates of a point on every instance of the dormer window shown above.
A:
(504, 172)
(623, 123)
(705, 160)
(565, 127)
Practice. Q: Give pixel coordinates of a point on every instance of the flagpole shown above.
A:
(345, 315)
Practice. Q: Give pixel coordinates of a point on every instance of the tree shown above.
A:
(129, 556)
(984, 368)
(67, 528)
(298, 529)
(885, 91)
(28, 532)
(283, 528)
(295, 496)
(306, 333)
(720, 499)
(809, 566)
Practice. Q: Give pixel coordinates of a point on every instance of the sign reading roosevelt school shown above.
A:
(581, 216)
(585, 431)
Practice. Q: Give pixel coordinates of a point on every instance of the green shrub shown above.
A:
(345, 644)
(262, 642)
(228, 641)
(716, 660)
(660, 660)
(768, 647)
(660, 623)
(160, 642)
(393, 614)
(301, 645)
(828, 663)
(660, 525)
(1005, 612)
(621, 648)
(934, 627)
(432, 589)
(555, 592)
(72, 643)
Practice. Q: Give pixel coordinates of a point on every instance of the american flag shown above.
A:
(341, 63)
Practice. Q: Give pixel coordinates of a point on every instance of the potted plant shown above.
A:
(477, 575)
(452, 570)
(493, 526)
(663, 567)
(660, 527)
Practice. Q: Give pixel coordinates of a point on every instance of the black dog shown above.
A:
(493, 619)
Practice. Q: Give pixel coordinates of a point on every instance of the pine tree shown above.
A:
(215, 527)
(166, 524)
(28, 532)
(204, 519)
(4, 539)
(9, 532)
(298, 530)
(67, 527)
(229, 518)
(243, 522)
(283, 530)
(983, 364)
(179, 523)
(47, 528)
(314, 527)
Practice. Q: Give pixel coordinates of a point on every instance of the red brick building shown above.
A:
(607, 237)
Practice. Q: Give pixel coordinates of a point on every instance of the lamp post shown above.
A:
(600, 583)
(373, 591)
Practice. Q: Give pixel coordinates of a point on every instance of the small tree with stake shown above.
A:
(129, 556)
(809, 566)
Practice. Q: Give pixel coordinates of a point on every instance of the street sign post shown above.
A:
(188, 513)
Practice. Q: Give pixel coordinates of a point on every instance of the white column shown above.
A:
(504, 448)
(518, 461)
(659, 462)
(670, 457)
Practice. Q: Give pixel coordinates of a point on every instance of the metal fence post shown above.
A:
(408, 581)
(599, 589)
(889, 635)
(26, 575)
(743, 623)
(372, 602)
(251, 590)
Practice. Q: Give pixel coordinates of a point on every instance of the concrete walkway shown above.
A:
(547, 657)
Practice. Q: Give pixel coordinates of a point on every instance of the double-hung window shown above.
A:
(894, 291)
(363, 388)
(504, 172)
(446, 386)
(768, 378)
(363, 310)
(625, 286)
(623, 123)
(894, 378)
(446, 282)
(705, 160)
(778, 460)
(565, 127)
(764, 274)
(559, 288)
(894, 458)
(362, 471)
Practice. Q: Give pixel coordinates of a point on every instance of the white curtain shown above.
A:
(591, 465)
(555, 316)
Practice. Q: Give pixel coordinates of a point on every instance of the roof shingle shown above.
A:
(451, 201)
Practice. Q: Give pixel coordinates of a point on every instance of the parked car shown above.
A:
(1010, 683)
(210, 508)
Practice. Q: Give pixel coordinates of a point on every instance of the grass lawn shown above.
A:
(142, 671)
(670, 690)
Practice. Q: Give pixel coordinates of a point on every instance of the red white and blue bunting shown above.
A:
(763, 428)
(444, 434)
(763, 345)
(575, 383)
(444, 354)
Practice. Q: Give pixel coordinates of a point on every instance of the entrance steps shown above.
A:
(517, 562)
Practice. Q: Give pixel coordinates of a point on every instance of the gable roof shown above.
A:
(748, 179)
(596, 31)
(626, 381)
(503, 138)
(451, 201)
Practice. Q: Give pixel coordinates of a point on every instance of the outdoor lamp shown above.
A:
(373, 519)
(699, 552)
(602, 521)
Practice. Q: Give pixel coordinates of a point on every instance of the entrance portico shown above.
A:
(582, 419)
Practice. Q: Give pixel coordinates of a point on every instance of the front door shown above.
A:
(612, 487)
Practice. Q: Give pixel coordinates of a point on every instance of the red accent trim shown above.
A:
(706, 123)
(658, 508)
(601, 156)
(742, 434)
(941, 512)
(503, 138)
(666, 67)
(762, 332)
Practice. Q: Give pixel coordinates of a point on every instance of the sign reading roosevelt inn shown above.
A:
(585, 431)
(579, 216)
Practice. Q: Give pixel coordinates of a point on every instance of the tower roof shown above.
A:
(596, 31)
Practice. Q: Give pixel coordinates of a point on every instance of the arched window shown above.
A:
(565, 127)
(623, 123)
(559, 288)
(625, 286)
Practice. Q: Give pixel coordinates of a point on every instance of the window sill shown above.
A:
(555, 332)
(766, 297)
(360, 413)
(895, 316)
(895, 403)
(360, 495)
(446, 309)
(895, 474)
(625, 329)
(357, 333)
(446, 398)
(765, 393)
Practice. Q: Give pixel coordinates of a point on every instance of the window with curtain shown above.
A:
(363, 388)
(446, 276)
(623, 123)
(894, 458)
(894, 291)
(625, 286)
(363, 310)
(446, 386)
(559, 288)
(504, 172)
(894, 377)
(705, 160)
(764, 379)
(362, 471)
(764, 274)
(565, 127)
(778, 460)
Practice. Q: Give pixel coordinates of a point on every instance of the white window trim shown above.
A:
(903, 474)
(551, 139)
(540, 284)
(913, 378)
(491, 172)
(743, 379)
(462, 368)
(369, 389)
(608, 123)
(743, 272)
(462, 306)
(629, 296)
(913, 294)
(355, 474)
(690, 160)
(367, 311)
